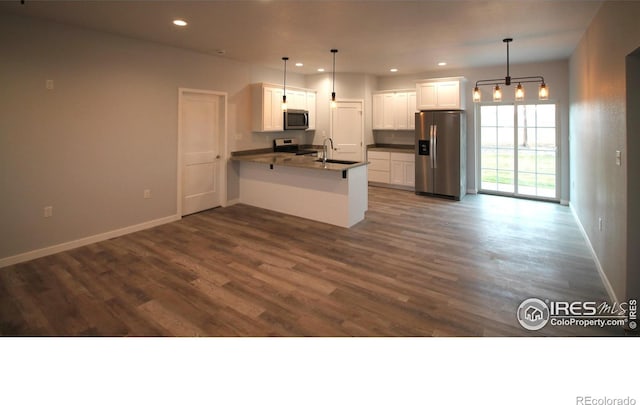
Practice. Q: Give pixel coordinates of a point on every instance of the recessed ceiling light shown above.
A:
(320, 69)
(299, 64)
(393, 70)
(442, 63)
(180, 23)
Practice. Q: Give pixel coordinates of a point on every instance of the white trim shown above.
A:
(472, 191)
(232, 202)
(603, 276)
(49, 250)
(564, 202)
(225, 153)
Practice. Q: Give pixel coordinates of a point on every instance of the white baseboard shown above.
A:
(229, 203)
(49, 250)
(472, 191)
(603, 276)
(565, 202)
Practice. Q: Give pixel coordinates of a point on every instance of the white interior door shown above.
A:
(347, 130)
(200, 139)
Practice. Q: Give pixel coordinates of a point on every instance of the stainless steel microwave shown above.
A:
(296, 119)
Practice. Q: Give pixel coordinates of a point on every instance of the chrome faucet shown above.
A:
(324, 149)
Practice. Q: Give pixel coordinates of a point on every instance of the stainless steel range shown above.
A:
(289, 145)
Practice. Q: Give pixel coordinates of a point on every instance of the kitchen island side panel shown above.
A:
(323, 196)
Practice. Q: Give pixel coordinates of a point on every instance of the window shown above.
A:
(518, 153)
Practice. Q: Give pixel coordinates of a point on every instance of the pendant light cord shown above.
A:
(284, 81)
(333, 92)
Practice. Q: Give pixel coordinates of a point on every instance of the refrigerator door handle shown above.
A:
(435, 147)
(431, 146)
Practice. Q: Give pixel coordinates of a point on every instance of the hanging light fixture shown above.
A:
(497, 93)
(519, 92)
(333, 91)
(284, 85)
(543, 92)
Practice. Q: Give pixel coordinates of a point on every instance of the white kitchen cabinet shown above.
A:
(311, 107)
(391, 110)
(440, 94)
(394, 168)
(402, 172)
(296, 99)
(266, 106)
(379, 166)
(411, 109)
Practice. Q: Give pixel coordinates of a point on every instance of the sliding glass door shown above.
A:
(518, 154)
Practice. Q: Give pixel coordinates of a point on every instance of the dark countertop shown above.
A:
(292, 160)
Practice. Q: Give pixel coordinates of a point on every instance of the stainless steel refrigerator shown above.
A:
(441, 153)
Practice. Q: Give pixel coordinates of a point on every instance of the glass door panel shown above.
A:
(536, 150)
(518, 149)
(497, 148)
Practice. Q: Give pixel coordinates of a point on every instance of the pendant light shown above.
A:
(497, 94)
(543, 92)
(284, 85)
(333, 92)
(477, 96)
(519, 92)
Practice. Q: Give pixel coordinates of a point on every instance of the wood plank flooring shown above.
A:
(416, 266)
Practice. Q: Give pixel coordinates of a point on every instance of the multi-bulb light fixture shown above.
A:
(543, 91)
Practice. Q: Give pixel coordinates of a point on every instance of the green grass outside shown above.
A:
(528, 163)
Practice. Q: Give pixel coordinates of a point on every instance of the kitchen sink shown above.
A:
(341, 162)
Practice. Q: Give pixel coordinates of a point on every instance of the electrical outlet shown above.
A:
(49, 84)
(48, 211)
(600, 224)
(147, 193)
(618, 158)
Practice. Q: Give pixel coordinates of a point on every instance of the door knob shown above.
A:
(217, 156)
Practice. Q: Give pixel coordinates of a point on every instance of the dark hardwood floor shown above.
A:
(417, 266)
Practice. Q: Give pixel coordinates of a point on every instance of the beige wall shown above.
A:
(105, 133)
(598, 129)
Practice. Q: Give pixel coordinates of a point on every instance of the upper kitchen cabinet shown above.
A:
(394, 110)
(441, 94)
(266, 106)
(311, 107)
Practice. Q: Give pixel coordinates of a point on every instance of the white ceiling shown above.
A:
(371, 36)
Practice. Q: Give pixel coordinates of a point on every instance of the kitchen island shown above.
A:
(333, 193)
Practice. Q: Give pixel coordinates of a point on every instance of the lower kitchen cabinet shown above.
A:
(395, 169)
(379, 167)
(403, 169)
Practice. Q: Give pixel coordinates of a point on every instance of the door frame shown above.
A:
(349, 100)
(222, 176)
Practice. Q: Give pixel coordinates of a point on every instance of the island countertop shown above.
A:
(292, 160)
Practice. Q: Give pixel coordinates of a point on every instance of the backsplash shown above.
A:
(394, 137)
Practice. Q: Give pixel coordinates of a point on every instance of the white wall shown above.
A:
(556, 76)
(107, 131)
(598, 130)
